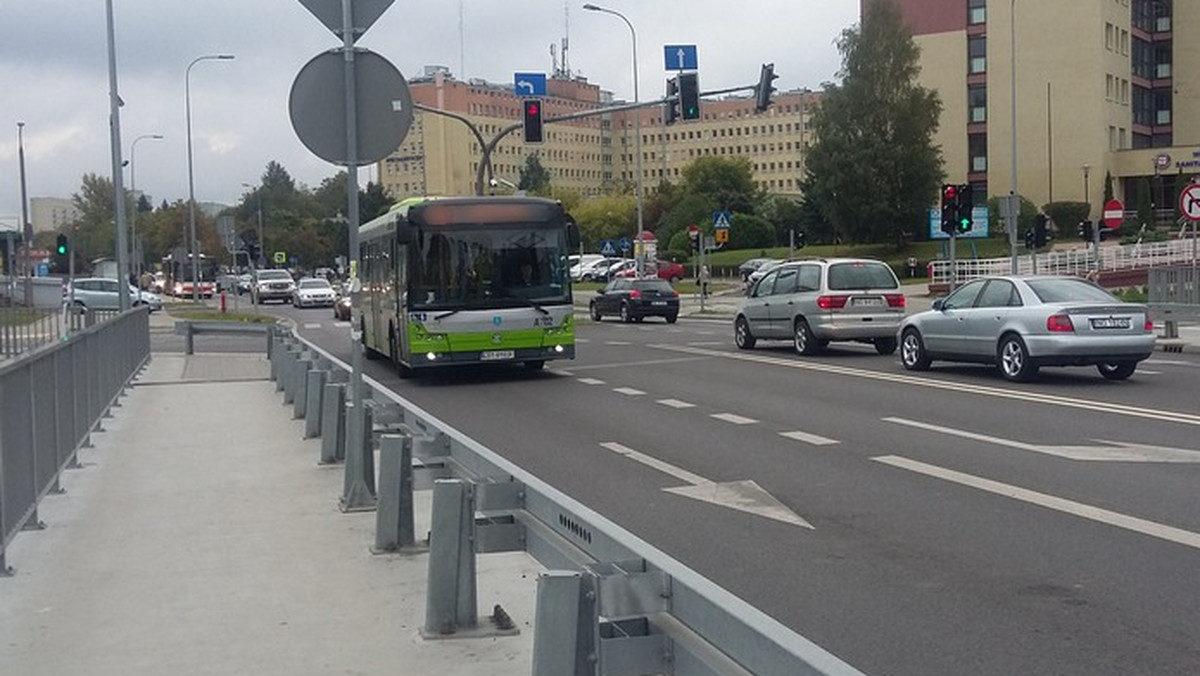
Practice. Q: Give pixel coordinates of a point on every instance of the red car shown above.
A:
(672, 272)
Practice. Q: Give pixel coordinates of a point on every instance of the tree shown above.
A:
(535, 178)
(874, 171)
(729, 181)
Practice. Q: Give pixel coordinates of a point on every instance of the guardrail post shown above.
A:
(394, 528)
(451, 597)
(333, 423)
(188, 338)
(562, 640)
(313, 412)
(303, 369)
(358, 489)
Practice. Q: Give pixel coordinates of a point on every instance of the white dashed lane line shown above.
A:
(807, 438)
(675, 403)
(734, 418)
(591, 381)
(629, 391)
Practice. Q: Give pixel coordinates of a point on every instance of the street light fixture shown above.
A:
(133, 247)
(193, 247)
(637, 130)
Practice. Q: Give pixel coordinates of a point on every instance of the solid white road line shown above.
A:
(1131, 523)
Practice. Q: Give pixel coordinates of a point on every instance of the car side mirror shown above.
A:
(938, 304)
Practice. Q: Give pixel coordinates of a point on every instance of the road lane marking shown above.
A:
(635, 364)
(629, 391)
(930, 382)
(675, 403)
(734, 418)
(807, 438)
(591, 381)
(1104, 451)
(1079, 509)
(744, 496)
(618, 343)
(310, 326)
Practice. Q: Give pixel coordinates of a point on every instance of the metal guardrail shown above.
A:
(53, 398)
(190, 329)
(610, 604)
(1074, 262)
(23, 330)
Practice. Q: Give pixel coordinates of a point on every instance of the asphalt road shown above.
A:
(939, 523)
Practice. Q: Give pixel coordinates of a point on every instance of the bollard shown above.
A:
(557, 630)
(450, 598)
(394, 528)
(358, 488)
(189, 339)
(333, 424)
(313, 411)
(300, 399)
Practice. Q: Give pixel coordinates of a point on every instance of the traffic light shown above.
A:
(64, 245)
(762, 93)
(1085, 231)
(949, 208)
(671, 105)
(1030, 239)
(689, 96)
(533, 120)
(801, 239)
(966, 204)
(694, 237)
(1041, 233)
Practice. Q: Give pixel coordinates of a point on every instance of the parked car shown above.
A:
(758, 272)
(635, 299)
(159, 284)
(272, 285)
(1023, 323)
(578, 263)
(813, 302)
(313, 292)
(672, 272)
(616, 269)
(98, 293)
(597, 271)
(751, 265)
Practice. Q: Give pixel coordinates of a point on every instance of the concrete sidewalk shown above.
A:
(202, 537)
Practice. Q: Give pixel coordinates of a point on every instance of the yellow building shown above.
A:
(1101, 87)
(440, 155)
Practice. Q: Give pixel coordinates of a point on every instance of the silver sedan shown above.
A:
(1023, 323)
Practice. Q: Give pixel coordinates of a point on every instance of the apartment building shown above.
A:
(1085, 88)
(440, 155)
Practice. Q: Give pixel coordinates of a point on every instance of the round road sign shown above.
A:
(1189, 202)
(1114, 213)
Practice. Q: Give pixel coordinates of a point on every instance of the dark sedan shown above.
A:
(635, 299)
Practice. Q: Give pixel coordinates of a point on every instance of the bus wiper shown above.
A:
(531, 304)
(438, 318)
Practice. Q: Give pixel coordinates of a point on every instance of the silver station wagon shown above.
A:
(813, 302)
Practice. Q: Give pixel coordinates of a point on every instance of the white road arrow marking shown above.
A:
(1106, 451)
(745, 496)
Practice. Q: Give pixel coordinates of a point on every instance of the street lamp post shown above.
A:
(262, 251)
(637, 130)
(1015, 206)
(192, 244)
(134, 250)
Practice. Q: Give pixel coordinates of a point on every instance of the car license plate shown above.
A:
(658, 302)
(869, 302)
(496, 355)
(1110, 323)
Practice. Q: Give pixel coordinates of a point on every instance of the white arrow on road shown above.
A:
(1105, 451)
(746, 496)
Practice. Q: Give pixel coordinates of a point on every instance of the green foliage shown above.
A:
(535, 179)
(728, 181)
(748, 231)
(1145, 215)
(1024, 218)
(874, 170)
(605, 217)
(1066, 217)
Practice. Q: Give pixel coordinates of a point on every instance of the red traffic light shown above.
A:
(531, 108)
(949, 192)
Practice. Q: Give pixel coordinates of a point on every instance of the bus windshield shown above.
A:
(478, 266)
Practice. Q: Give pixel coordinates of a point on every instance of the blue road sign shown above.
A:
(980, 226)
(607, 247)
(43, 270)
(721, 219)
(624, 244)
(680, 57)
(529, 84)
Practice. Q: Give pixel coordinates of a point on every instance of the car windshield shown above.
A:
(860, 275)
(274, 275)
(315, 284)
(1057, 290)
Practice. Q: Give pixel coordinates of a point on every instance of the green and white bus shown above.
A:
(467, 280)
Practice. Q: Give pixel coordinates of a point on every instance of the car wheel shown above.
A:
(741, 334)
(1117, 370)
(912, 351)
(803, 339)
(1013, 356)
(626, 315)
(885, 345)
(671, 318)
(596, 316)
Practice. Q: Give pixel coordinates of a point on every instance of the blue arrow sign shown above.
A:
(680, 57)
(624, 244)
(529, 84)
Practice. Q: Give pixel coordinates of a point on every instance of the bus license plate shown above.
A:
(496, 355)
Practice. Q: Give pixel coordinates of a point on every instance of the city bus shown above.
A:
(177, 267)
(467, 280)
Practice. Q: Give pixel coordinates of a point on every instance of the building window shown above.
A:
(977, 54)
(977, 152)
(976, 12)
(1109, 40)
(977, 102)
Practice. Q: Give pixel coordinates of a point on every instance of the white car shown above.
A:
(581, 263)
(98, 293)
(314, 292)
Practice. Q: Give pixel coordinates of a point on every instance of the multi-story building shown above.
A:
(440, 155)
(1102, 87)
(51, 214)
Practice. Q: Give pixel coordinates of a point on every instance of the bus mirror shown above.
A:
(572, 234)
(404, 232)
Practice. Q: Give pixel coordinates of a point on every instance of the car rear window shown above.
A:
(861, 275)
(652, 285)
(1069, 289)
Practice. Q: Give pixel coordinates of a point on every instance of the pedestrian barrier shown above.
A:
(190, 329)
(51, 400)
(1174, 295)
(608, 604)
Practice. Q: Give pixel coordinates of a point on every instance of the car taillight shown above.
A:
(1059, 324)
(1149, 325)
(635, 294)
(895, 299)
(832, 302)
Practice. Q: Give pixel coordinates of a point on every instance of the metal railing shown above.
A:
(609, 603)
(23, 330)
(53, 398)
(1073, 262)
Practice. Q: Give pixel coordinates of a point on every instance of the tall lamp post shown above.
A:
(1015, 206)
(134, 249)
(262, 251)
(637, 130)
(187, 100)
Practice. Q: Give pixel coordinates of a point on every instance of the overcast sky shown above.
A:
(54, 73)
